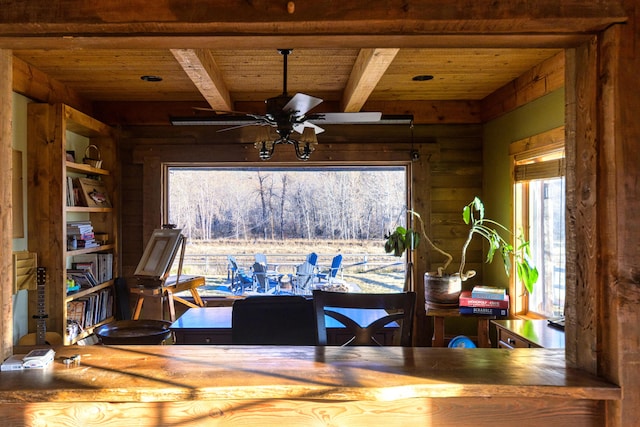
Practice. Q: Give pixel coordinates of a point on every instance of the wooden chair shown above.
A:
(399, 306)
(273, 320)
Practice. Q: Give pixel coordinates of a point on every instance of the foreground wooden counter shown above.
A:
(304, 386)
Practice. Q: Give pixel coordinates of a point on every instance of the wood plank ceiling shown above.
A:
(347, 76)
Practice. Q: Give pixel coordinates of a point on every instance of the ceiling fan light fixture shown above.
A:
(266, 143)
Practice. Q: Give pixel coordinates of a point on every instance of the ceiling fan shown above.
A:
(286, 114)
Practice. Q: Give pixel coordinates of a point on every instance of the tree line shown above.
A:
(310, 203)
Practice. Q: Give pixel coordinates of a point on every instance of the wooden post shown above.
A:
(6, 275)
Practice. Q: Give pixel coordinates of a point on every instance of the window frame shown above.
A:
(538, 156)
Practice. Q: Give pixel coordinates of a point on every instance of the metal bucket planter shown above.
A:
(442, 290)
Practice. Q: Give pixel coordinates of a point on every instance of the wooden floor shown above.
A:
(306, 386)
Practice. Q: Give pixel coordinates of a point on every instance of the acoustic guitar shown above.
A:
(41, 337)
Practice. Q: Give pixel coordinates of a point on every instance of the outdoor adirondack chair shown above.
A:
(330, 274)
(305, 273)
(239, 278)
(264, 281)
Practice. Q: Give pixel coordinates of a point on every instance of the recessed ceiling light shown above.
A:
(151, 78)
(422, 78)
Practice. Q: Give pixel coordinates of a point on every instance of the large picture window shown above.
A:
(282, 217)
(539, 194)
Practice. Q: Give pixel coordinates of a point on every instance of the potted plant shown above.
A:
(444, 288)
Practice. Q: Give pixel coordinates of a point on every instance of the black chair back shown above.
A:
(273, 320)
(400, 308)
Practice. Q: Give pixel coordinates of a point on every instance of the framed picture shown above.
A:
(94, 193)
(159, 253)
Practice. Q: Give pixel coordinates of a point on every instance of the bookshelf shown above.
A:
(53, 132)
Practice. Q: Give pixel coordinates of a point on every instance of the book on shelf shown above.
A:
(488, 292)
(82, 277)
(466, 300)
(79, 227)
(75, 311)
(101, 264)
(484, 311)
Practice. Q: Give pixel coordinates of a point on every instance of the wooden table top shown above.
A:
(181, 373)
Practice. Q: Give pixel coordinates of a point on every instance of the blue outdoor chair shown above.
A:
(264, 281)
(312, 258)
(336, 265)
(239, 279)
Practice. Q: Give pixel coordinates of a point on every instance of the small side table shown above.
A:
(439, 315)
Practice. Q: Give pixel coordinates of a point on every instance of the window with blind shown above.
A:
(539, 209)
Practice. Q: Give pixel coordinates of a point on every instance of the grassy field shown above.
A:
(365, 263)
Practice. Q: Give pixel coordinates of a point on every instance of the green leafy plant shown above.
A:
(402, 239)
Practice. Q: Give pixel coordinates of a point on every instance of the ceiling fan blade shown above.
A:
(301, 103)
(351, 118)
(218, 120)
(300, 127)
(222, 112)
(240, 126)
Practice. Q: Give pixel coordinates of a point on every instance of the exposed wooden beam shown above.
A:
(6, 201)
(205, 74)
(129, 18)
(34, 84)
(367, 71)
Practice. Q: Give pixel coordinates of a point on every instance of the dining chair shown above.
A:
(399, 309)
(273, 320)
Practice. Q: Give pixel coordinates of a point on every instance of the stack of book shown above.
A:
(82, 233)
(91, 309)
(100, 264)
(485, 300)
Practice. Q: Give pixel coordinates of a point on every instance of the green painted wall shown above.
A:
(541, 115)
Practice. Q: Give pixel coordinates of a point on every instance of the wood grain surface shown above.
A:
(305, 386)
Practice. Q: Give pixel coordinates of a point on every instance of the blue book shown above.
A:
(488, 292)
(484, 311)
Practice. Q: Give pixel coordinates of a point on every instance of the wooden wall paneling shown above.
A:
(132, 241)
(570, 216)
(583, 285)
(619, 316)
(6, 200)
(542, 79)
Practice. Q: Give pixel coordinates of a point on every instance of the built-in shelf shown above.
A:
(85, 292)
(85, 169)
(91, 250)
(69, 130)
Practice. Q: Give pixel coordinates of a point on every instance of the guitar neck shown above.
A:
(41, 316)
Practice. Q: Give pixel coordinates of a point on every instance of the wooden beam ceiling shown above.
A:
(205, 74)
(369, 68)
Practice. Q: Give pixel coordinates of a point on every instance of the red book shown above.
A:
(466, 300)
